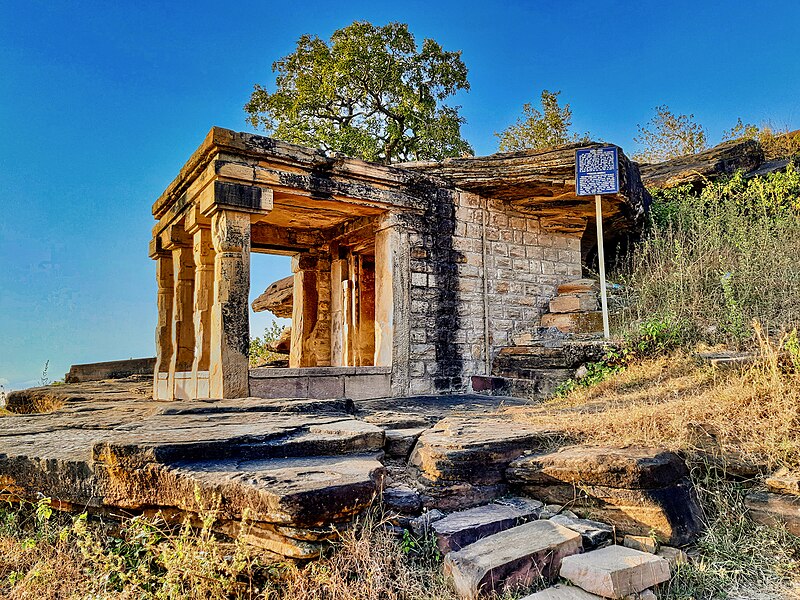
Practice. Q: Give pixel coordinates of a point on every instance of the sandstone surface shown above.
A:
(277, 298)
(511, 558)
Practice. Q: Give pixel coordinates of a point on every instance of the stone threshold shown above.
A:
(273, 372)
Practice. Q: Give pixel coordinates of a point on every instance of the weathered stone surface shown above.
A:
(615, 571)
(511, 558)
(402, 499)
(461, 462)
(562, 592)
(571, 303)
(784, 481)
(579, 286)
(277, 298)
(543, 182)
(593, 533)
(638, 490)
(399, 442)
(583, 322)
(642, 543)
(115, 369)
(462, 528)
(695, 169)
(674, 556)
(421, 526)
(775, 509)
(727, 360)
(632, 467)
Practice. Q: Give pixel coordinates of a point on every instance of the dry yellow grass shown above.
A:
(674, 402)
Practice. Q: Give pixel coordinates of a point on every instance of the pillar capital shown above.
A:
(175, 236)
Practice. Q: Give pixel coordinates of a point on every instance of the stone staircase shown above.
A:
(518, 542)
(540, 361)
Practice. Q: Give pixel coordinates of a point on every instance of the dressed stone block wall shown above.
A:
(481, 273)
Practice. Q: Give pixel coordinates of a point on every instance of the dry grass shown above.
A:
(673, 402)
(46, 555)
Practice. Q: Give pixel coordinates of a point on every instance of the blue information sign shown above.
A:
(596, 171)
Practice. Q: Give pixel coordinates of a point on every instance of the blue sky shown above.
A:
(102, 102)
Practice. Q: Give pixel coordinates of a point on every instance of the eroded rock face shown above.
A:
(638, 490)
(461, 462)
(277, 298)
(696, 169)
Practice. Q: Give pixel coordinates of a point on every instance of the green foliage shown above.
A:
(541, 129)
(260, 346)
(655, 335)
(369, 92)
(596, 372)
(776, 142)
(668, 135)
(711, 263)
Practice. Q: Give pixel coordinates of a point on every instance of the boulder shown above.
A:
(283, 344)
(638, 490)
(512, 558)
(615, 571)
(277, 298)
(461, 461)
(462, 528)
(784, 481)
(697, 169)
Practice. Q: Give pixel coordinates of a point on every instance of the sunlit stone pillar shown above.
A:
(230, 322)
(166, 286)
(182, 313)
(203, 251)
(304, 309)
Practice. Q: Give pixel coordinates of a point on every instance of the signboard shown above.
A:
(596, 171)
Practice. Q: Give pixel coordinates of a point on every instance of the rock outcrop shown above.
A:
(638, 490)
(543, 182)
(277, 298)
(698, 169)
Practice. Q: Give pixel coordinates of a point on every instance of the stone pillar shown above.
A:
(392, 302)
(182, 322)
(230, 320)
(203, 301)
(338, 308)
(366, 311)
(166, 286)
(311, 311)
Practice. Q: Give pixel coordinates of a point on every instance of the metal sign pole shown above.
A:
(601, 260)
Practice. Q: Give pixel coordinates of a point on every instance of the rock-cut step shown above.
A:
(516, 557)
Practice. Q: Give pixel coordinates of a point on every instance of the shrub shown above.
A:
(260, 346)
(711, 263)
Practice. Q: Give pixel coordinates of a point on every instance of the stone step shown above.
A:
(579, 286)
(399, 442)
(513, 558)
(615, 571)
(573, 303)
(462, 528)
(570, 592)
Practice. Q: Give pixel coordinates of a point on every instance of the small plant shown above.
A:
(44, 379)
(595, 373)
(260, 347)
(658, 334)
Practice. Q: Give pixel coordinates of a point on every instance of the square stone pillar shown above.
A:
(178, 242)
(311, 312)
(230, 320)
(392, 301)
(166, 285)
(203, 251)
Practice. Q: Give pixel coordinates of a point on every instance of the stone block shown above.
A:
(642, 543)
(326, 387)
(588, 322)
(569, 303)
(775, 509)
(513, 558)
(562, 592)
(399, 442)
(367, 386)
(579, 286)
(615, 571)
(593, 533)
(462, 528)
(279, 387)
(402, 499)
(674, 556)
(784, 482)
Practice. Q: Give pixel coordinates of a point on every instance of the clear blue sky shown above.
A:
(102, 102)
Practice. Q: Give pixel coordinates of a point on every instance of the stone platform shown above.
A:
(289, 474)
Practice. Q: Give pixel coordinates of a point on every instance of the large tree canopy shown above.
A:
(368, 92)
(537, 129)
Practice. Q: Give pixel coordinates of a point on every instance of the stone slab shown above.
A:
(615, 571)
(115, 369)
(784, 481)
(399, 442)
(513, 558)
(642, 543)
(775, 509)
(582, 322)
(462, 528)
(574, 303)
(579, 286)
(562, 592)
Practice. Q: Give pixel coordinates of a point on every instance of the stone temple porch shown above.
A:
(408, 279)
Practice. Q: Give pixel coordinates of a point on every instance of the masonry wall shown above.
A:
(480, 272)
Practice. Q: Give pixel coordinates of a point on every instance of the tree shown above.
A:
(541, 129)
(369, 92)
(668, 135)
